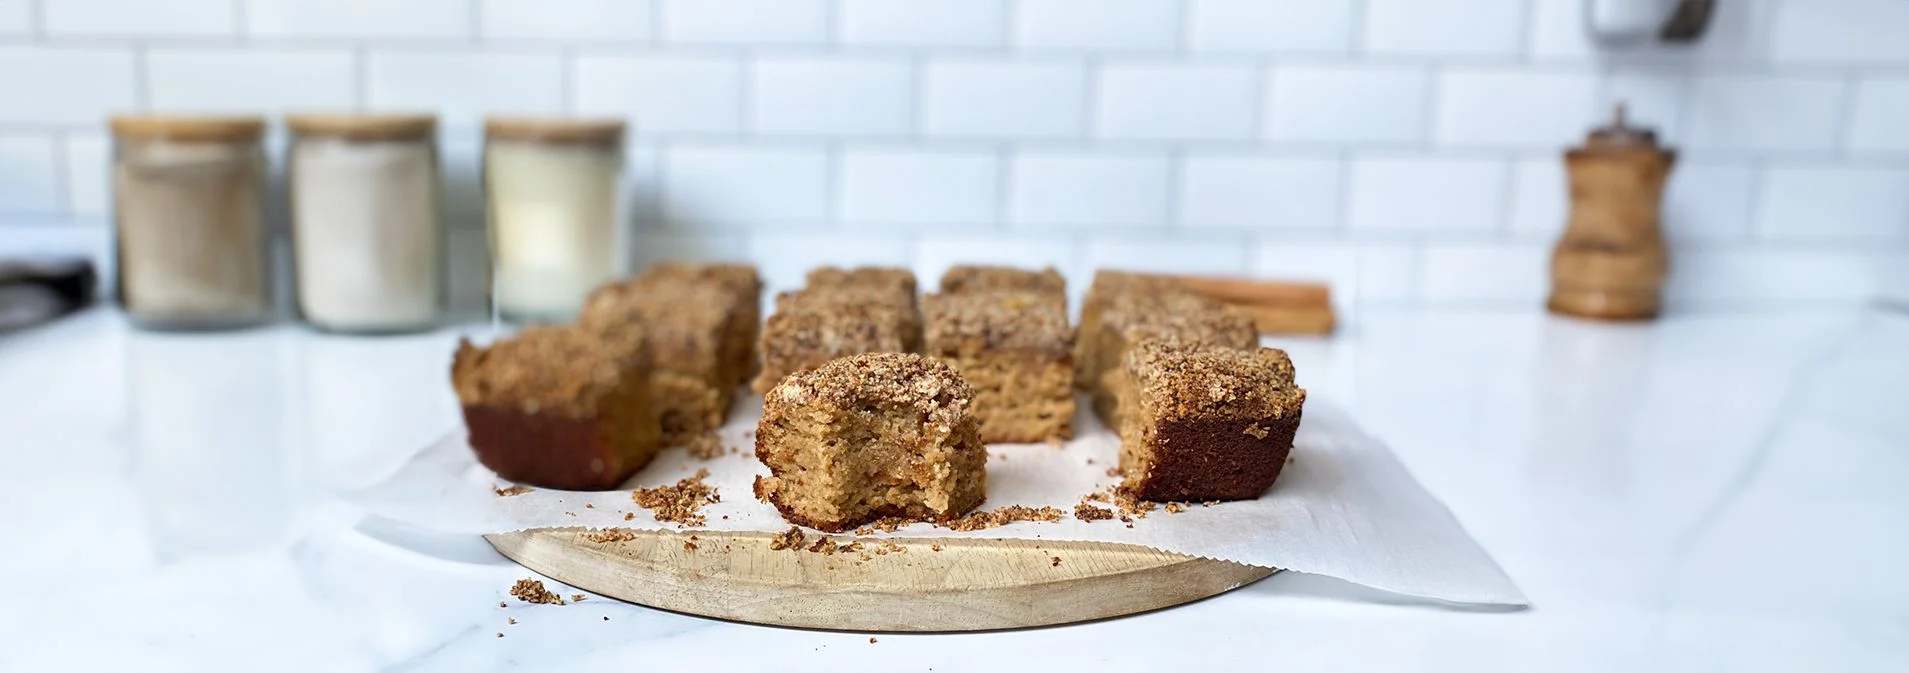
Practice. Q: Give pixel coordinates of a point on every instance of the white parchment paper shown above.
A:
(1343, 507)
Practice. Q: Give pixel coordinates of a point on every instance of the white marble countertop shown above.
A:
(1713, 492)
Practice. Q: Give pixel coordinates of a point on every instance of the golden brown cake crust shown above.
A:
(929, 387)
(970, 278)
(1214, 383)
(998, 321)
(545, 369)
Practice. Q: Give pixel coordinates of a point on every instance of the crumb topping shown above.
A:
(998, 321)
(903, 380)
(556, 369)
(680, 503)
(970, 278)
(1213, 383)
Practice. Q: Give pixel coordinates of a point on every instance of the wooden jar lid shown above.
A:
(189, 127)
(555, 129)
(363, 126)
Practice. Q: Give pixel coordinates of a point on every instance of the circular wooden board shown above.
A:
(968, 585)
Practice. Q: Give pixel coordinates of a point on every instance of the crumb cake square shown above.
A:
(965, 278)
(1107, 286)
(740, 280)
(871, 436)
(811, 327)
(558, 407)
(1014, 348)
(1205, 423)
(890, 285)
(1166, 313)
(687, 324)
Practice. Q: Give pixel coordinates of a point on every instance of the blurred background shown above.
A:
(1407, 151)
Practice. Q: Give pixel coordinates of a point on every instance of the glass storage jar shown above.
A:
(551, 187)
(189, 213)
(367, 237)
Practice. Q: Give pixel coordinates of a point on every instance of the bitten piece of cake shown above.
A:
(1205, 423)
(1016, 350)
(558, 407)
(871, 436)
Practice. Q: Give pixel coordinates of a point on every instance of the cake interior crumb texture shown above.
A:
(558, 407)
(871, 436)
(1015, 349)
(1205, 423)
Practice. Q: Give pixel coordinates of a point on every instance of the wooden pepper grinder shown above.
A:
(1610, 263)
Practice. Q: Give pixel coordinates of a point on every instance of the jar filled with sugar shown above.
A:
(553, 197)
(189, 221)
(367, 236)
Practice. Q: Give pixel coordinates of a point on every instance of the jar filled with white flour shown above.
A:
(367, 236)
(189, 221)
(554, 204)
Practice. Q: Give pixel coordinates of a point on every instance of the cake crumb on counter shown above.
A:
(532, 591)
(681, 503)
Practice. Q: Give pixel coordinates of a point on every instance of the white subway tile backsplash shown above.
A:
(1004, 99)
(1181, 254)
(591, 21)
(1834, 203)
(920, 187)
(1709, 201)
(1842, 31)
(1260, 26)
(922, 23)
(1783, 276)
(1759, 113)
(227, 80)
(1111, 25)
(1511, 274)
(1356, 272)
(1347, 104)
(1277, 193)
(745, 185)
(167, 18)
(1738, 32)
(1176, 102)
(1540, 198)
(1088, 189)
(64, 85)
(383, 19)
(934, 254)
(832, 96)
(663, 94)
(1444, 27)
(1881, 119)
(743, 22)
(16, 18)
(1509, 108)
(464, 86)
(89, 174)
(1425, 195)
(785, 259)
(29, 175)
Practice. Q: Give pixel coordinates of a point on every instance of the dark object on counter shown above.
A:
(34, 291)
(189, 204)
(1611, 262)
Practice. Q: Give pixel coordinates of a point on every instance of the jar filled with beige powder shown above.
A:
(189, 211)
(367, 237)
(554, 204)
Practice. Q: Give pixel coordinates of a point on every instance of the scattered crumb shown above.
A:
(589, 506)
(823, 545)
(1209, 503)
(511, 622)
(706, 446)
(1255, 431)
(632, 515)
(1002, 516)
(1096, 496)
(503, 604)
(871, 640)
(1114, 472)
(569, 513)
(532, 591)
(682, 503)
(1086, 512)
(606, 618)
(788, 539)
(1132, 506)
(1290, 459)
(577, 598)
(1175, 507)
(934, 547)
(1056, 563)
(853, 547)
(610, 535)
(514, 490)
(500, 634)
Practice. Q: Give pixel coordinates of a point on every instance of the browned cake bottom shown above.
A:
(552, 451)
(1020, 399)
(1210, 460)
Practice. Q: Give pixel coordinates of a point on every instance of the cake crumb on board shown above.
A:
(681, 503)
(788, 539)
(1056, 563)
(577, 598)
(514, 490)
(610, 535)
